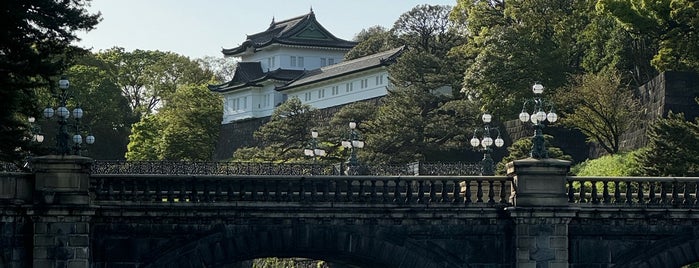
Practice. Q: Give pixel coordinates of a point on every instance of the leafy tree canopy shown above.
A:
(673, 148)
(285, 136)
(618, 165)
(186, 128)
(601, 107)
(672, 24)
(35, 38)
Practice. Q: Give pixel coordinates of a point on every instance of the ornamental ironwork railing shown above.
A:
(457, 190)
(634, 191)
(10, 167)
(240, 168)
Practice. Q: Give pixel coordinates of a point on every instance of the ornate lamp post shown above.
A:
(37, 136)
(67, 142)
(538, 117)
(314, 151)
(486, 142)
(353, 143)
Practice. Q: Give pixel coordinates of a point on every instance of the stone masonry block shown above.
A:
(79, 241)
(44, 240)
(40, 228)
(522, 229)
(40, 253)
(559, 242)
(42, 264)
(558, 265)
(561, 230)
(82, 228)
(523, 254)
(526, 265)
(81, 253)
(527, 242)
(78, 264)
(562, 255)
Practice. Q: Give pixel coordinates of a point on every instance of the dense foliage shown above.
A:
(601, 107)
(284, 137)
(617, 165)
(673, 148)
(35, 49)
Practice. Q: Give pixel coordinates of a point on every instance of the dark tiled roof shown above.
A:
(249, 74)
(352, 66)
(302, 30)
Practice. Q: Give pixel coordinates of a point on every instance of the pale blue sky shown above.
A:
(198, 28)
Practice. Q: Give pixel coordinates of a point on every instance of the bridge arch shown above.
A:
(670, 253)
(224, 248)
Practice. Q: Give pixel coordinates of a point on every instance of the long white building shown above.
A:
(298, 57)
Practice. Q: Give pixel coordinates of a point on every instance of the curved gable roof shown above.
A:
(250, 74)
(344, 68)
(302, 30)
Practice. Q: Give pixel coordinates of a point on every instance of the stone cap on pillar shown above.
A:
(539, 182)
(62, 179)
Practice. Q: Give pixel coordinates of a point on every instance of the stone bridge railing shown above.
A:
(457, 190)
(634, 191)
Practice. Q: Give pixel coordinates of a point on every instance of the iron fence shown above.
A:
(242, 168)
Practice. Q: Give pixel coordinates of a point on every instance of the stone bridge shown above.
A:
(61, 215)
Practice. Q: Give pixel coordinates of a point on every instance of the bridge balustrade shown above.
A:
(457, 190)
(633, 191)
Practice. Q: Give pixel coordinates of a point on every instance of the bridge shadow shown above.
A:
(230, 246)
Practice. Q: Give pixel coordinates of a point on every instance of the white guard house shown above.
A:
(299, 58)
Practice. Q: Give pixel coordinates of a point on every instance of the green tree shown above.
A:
(172, 70)
(284, 137)
(429, 35)
(618, 165)
(146, 78)
(186, 128)
(606, 46)
(223, 68)
(673, 148)
(145, 139)
(129, 70)
(107, 113)
(191, 121)
(671, 24)
(371, 41)
(35, 40)
(338, 128)
(513, 44)
(600, 107)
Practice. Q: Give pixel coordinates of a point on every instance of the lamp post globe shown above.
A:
(538, 117)
(486, 142)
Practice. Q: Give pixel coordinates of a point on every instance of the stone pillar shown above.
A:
(541, 212)
(542, 236)
(62, 213)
